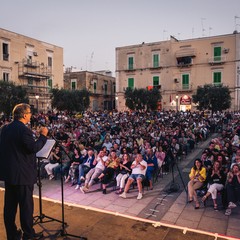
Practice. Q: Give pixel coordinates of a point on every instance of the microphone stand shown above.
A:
(174, 187)
(63, 231)
(40, 218)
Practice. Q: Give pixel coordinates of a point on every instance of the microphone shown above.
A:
(42, 124)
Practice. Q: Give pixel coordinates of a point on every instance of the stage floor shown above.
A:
(95, 225)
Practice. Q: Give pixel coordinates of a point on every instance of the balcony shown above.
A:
(130, 70)
(217, 60)
(28, 69)
(152, 68)
(184, 61)
(185, 88)
(5, 56)
(29, 63)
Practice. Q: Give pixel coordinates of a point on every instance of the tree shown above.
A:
(10, 95)
(213, 98)
(141, 99)
(72, 101)
(154, 96)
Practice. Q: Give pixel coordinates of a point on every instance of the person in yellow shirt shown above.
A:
(197, 177)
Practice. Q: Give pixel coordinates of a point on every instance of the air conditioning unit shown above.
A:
(35, 54)
(226, 50)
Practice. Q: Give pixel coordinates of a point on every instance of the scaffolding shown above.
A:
(34, 77)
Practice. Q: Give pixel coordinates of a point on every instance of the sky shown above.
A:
(90, 30)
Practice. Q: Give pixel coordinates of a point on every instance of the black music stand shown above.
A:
(43, 153)
(63, 231)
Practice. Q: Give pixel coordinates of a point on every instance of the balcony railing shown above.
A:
(5, 56)
(185, 88)
(217, 59)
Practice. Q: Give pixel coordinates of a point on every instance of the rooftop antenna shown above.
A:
(203, 29)
(91, 61)
(235, 21)
(193, 32)
(210, 29)
(86, 63)
(164, 31)
(106, 65)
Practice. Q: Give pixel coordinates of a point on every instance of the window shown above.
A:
(114, 88)
(185, 81)
(5, 77)
(155, 60)
(95, 87)
(30, 81)
(217, 54)
(5, 51)
(156, 81)
(50, 83)
(131, 83)
(29, 60)
(217, 78)
(73, 84)
(184, 61)
(105, 88)
(49, 61)
(130, 63)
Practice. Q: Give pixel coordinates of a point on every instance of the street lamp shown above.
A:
(177, 103)
(116, 102)
(37, 97)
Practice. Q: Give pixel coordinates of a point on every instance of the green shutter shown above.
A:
(185, 81)
(50, 83)
(130, 63)
(156, 81)
(105, 88)
(73, 85)
(94, 87)
(217, 78)
(217, 53)
(155, 60)
(131, 83)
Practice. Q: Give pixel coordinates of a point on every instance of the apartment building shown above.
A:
(101, 86)
(178, 67)
(35, 65)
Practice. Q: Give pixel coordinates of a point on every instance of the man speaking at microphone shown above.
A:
(19, 171)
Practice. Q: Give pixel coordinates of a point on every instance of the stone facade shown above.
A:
(33, 64)
(101, 86)
(178, 67)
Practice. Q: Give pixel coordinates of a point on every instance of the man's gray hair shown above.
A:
(19, 110)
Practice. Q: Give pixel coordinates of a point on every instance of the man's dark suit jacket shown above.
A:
(18, 154)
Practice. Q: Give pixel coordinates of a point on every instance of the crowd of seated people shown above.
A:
(159, 137)
(217, 173)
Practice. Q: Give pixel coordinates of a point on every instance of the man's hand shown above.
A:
(44, 131)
